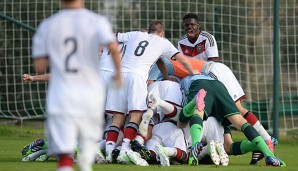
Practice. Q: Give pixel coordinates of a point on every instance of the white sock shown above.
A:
(261, 130)
(125, 145)
(140, 139)
(110, 146)
(170, 151)
(143, 127)
(166, 107)
(203, 153)
(65, 168)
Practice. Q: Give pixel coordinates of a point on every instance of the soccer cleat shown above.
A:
(136, 158)
(109, 157)
(194, 153)
(270, 145)
(36, 145)
(34, 156)
(164, 159)
(115, 154)
(223, 156)
(213, 153)
(141, 149)
(123, 158)
(256, 156)
(155, 101)
(200, 103)
(275, 141)
(42, 158)
(274, 161)
(99, 157)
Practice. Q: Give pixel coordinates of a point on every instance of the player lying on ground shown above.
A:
(211, 98)
(222, 73)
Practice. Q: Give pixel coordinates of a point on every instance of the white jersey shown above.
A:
(106, 62)
(71, 39)
(143, 50)
(205, 47)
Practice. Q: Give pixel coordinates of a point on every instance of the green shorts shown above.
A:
(218, 102)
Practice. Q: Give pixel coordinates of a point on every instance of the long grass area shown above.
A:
(14, 137)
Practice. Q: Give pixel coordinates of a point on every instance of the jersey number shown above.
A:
(70, 54)
(141, 48)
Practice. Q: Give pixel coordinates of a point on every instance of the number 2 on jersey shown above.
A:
(70, 54)
(141, 48)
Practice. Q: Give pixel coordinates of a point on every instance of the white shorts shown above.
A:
(132, 96)
(64, 132)
(106, 77)
(168, 135)
(224, 74)
(212, 130)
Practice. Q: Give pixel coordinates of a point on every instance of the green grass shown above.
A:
(13, 138)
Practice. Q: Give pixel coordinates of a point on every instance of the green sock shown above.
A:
(243, 147)
(187, 112)
(196, 128)
(254, 137)
(189, 108)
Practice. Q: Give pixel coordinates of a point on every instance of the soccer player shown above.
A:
(143, 50)
(197, 43)
(202, 45)
(167, 141)
(70, 40)
(210, 98)
(224, 74)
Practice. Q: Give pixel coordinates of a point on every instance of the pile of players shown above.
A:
(181, 114)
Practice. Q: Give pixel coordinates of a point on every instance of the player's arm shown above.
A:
(183, 60)
(40, 64)
(162, 68)
(30, 78)
(115, 54)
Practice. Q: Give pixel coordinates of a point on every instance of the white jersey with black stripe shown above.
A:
(143, 50)
(71, 39)
(205, 47)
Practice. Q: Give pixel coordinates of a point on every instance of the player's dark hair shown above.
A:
(191, 15)
(156, 26)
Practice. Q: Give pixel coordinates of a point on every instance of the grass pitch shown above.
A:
(14, 137)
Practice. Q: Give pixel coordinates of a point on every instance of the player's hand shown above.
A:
(117, 81)
(27, 78)
(196, 72)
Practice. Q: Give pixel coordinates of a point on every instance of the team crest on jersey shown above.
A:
(200, 47)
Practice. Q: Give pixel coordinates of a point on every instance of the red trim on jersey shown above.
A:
(173, 103)
(241, 98)
(137, 111)
(172, 57)
(193, 51)
(114, 112)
